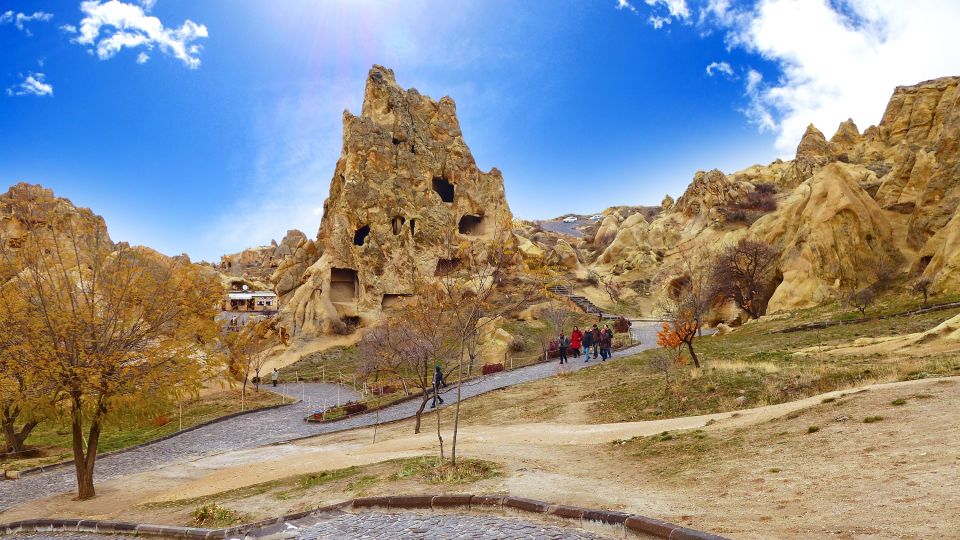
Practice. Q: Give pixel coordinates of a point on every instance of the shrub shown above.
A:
(214, 515)
(354, 407)
(316, 417)
(161, 421)
(341, 328)
(813, 429)
(621, 325)
(517, 344)
(765, 189)
(872, 419)
(898, 402)
(492, 368)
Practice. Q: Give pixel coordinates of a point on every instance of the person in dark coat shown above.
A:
(595, 339)
(606, 342)
(587, 343)
(563, 342)
(576, 338)
(438, 383)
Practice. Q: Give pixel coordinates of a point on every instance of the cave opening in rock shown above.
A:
(392, 300)
(413, 227)
(472, 225)
(446, 266)
(397, 224)
(360, 237)
(444, 188)
(343, 284)
(923, 263)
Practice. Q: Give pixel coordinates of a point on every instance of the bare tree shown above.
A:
(862, 299)
(246, 357)
(475, 295)
(689, 298)
(743, 272)
(613, 288)
(410, 344)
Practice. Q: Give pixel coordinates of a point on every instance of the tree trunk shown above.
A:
(423, 405)
(456, 413)
(439, 436)
(693, 355)
(15, 440)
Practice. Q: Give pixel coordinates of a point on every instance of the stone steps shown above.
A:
(581, 302)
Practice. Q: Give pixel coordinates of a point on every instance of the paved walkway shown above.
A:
(436, 527)
(366, 525)
(273, 426)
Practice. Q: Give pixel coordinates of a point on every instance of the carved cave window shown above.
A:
(444, 188)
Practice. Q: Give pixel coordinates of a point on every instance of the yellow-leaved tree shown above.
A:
(105, 328)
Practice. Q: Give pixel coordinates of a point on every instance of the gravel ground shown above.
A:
(271, 426)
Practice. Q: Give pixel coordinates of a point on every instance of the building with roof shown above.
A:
(250, 301)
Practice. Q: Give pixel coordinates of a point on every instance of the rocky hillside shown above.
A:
(405, 192)
(24, 205)
(259, 263)
(843, 210)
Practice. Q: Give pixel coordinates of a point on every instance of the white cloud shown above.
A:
(677, 8)
(142, 58)
(32, 85)
(658, 22)
(624, 4)
(20, 20)
(719, 67)
(147, 4)
(299, 139)
(756, 111)
(838, 64)
(113, 25)
(68, 28)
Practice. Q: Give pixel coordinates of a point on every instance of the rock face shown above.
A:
(23, 202)
(405, 194)
(260, 263)
(828, 229)
(844, 207)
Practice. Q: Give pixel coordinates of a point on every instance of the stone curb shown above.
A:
(631, 522)
(69, 463)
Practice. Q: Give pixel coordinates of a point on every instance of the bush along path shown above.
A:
(275, 426)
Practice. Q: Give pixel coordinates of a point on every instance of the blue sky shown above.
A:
(207, 127)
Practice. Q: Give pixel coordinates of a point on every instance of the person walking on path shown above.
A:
(438, 383)
(563, 342)
(595, 339)
(575, 340)
(606, 343)
(587, 343)
(275, 376)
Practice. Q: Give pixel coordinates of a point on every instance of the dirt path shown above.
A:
(756, 473)
(269, 427)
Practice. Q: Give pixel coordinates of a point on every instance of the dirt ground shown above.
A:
(797, 470)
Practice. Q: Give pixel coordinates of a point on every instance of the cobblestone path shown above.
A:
(436, 527)
(369, 525)
(275, 425)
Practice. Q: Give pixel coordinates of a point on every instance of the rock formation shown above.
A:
(844, 207)
(28, 203)
(259, 263)
(405, 195)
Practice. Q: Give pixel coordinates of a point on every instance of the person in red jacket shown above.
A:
(575, 338)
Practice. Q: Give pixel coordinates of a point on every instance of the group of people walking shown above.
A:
(594, 340)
